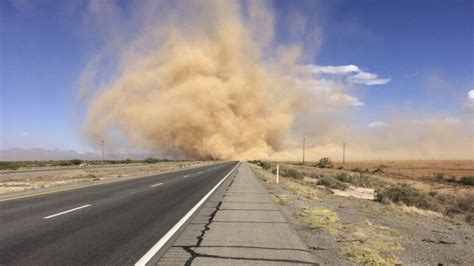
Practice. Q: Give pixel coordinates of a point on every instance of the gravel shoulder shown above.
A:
(346, 230)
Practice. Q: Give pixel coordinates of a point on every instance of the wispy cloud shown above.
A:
(25, 134)
(357, 75)
(334, 70)
(377, 124)
(367, 78)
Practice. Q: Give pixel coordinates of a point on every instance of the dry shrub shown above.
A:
(451, 205)
(467, 180)
(331, 182)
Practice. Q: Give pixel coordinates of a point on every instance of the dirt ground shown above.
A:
(16, 182)
(346, 230)
(416, 168)
(427, 175)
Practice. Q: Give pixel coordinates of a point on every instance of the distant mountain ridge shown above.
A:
(36, 154)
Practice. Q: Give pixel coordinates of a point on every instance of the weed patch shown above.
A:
(331, 182)
(467, 180)
(321, 218)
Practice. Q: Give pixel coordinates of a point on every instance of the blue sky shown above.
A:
(424, 47)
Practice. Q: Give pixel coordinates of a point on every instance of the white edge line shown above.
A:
(155, 185)
(64, 212)
(185, 176)
(150, 253)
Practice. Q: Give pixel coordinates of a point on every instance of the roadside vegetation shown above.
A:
(449, 205)
(15, 165)
(361, 243)
(459, 206)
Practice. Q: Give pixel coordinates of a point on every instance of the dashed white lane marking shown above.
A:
(155, 185)
(64, 212)
(185, 176)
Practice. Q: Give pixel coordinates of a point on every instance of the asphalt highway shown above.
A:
(113, 223)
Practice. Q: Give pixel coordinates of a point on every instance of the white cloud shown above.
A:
(469, 105)
(357, 75)
(335, 70)
(377, 124)
(367, 79)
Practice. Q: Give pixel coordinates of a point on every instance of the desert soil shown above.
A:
(16, 182)
(346, 230)
(421, 174)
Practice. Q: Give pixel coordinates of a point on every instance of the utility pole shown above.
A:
(304, 140)
(344, 153)
(102, 151)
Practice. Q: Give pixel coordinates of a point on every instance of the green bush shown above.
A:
(467, 180)
(150, 160)
(410, 196)
(265, 165)
(357, 169)
(379, 169)
(325, 163)
(344, 177)
(62, 163)
(439, 176)
(331, 182)
(289, 172)
(76, 162)
(9, 165)
(362, 180)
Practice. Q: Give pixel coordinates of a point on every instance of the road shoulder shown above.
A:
(240, 224)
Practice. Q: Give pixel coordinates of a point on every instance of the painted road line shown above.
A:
(64, 212)
(185, 176)
(150, 253)
(155, 185)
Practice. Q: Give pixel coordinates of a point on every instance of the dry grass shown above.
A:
(370, 244)
(413, 210)
(27, 181)
(321, 218)
(415, 168)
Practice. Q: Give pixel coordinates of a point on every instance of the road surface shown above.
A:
(113, 223)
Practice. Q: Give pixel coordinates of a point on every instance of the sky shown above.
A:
(410, 58)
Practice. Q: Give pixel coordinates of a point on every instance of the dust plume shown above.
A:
(200, 85)
(209, 80)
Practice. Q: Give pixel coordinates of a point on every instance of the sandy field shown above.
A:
(416, 168)
(16, 182)
(427, 175)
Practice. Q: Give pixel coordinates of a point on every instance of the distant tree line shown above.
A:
(14, 165)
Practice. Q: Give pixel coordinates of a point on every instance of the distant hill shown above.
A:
(18, 154)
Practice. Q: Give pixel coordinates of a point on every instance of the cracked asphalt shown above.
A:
(239, 225)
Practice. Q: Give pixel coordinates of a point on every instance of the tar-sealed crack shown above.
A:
(189, 249)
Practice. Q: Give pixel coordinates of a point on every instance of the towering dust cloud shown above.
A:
(207, 79)
(200, 83)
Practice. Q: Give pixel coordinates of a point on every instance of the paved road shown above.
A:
(114, 223)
